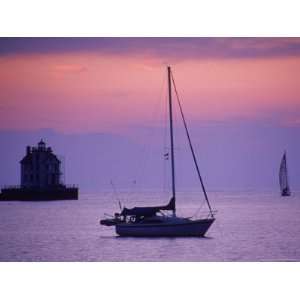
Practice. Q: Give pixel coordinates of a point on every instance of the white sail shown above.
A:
(283, 177)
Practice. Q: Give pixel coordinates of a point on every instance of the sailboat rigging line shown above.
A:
(171, 135)
(191, 146)
(115, 192)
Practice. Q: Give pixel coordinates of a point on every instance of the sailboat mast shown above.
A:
(171, 133)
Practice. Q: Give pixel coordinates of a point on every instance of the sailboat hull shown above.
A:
(184, 228)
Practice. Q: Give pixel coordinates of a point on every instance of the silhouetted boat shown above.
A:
(157, 221)
(283, 177)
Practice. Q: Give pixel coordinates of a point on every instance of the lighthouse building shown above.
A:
(40, 168)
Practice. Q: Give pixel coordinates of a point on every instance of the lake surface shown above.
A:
(250, 226)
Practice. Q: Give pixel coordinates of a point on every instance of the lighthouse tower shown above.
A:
(40, 168)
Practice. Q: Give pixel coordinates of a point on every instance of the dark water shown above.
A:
(250, 226)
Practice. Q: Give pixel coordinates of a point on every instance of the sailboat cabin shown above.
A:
(40, 168)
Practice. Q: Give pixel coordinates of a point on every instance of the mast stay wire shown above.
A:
(191, 146)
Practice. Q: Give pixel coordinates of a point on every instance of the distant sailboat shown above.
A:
(155, 220)
(283, 177)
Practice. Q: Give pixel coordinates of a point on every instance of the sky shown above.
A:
(241, 97)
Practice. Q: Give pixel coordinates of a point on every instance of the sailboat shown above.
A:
(162, 221)
(283, 177)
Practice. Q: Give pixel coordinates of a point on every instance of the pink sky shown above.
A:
(89, 91)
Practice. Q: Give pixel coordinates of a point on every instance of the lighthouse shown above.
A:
(40, 167)
(40, 178)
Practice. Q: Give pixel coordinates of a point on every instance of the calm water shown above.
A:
(250, 227)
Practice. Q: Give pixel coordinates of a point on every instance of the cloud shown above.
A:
(7, 107)
(164, 48)
(291, 122)
(70, 68)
